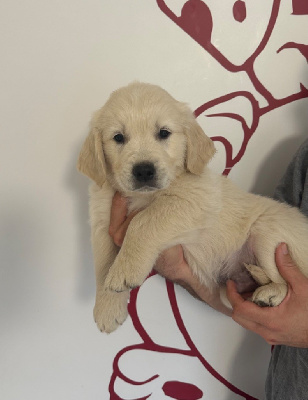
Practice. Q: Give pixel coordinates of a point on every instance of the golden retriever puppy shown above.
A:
(149, 147)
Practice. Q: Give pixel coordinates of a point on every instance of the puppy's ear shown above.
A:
(200, 149)
(91, 161)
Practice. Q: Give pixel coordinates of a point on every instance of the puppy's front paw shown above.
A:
(110, 310)
(120, 279)
(270, 295)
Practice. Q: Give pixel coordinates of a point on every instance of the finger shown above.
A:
(286, 266)
(245, 309)
(245, 323)
(234, 297)
(119, 235)
(247, 295)
(118, 213)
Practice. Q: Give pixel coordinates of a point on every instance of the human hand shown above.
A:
(170, 264)
(286, 324)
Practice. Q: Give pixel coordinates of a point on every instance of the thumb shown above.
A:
(286, 266)
(232, 294)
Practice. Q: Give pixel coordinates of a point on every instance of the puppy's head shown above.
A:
(142, 139)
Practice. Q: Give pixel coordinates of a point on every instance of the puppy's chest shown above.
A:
(139, 203)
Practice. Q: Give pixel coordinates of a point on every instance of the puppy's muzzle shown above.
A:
(144, 175)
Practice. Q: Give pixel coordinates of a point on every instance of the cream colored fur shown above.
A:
(221, 228)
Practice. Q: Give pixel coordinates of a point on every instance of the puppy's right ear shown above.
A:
(91, 161)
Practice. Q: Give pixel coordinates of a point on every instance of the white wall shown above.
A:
(59, 62)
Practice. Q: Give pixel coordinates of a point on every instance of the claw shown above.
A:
(261, 303)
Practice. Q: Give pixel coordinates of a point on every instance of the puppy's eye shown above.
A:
(164, 134)
(119, 138)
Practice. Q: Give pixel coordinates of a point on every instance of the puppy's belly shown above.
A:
(234, 268)
(242, 278)
(215, 269)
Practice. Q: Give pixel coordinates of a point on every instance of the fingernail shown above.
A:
(284, 248)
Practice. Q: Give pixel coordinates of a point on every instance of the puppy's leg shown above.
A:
(270, 294)
(110, 308)
(258, 274)
(151, 231)
(273, 287)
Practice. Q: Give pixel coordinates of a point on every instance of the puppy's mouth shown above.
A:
(146, 189)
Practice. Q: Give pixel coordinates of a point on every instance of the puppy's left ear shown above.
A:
(200, 148)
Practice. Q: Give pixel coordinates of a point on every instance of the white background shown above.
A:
(59, 62)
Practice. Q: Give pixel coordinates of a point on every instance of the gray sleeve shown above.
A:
(293, 187)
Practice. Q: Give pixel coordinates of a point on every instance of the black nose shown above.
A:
(144, 172)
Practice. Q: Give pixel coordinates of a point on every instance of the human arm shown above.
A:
(286, 324)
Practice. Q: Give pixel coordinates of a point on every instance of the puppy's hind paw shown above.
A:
(270, 295)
